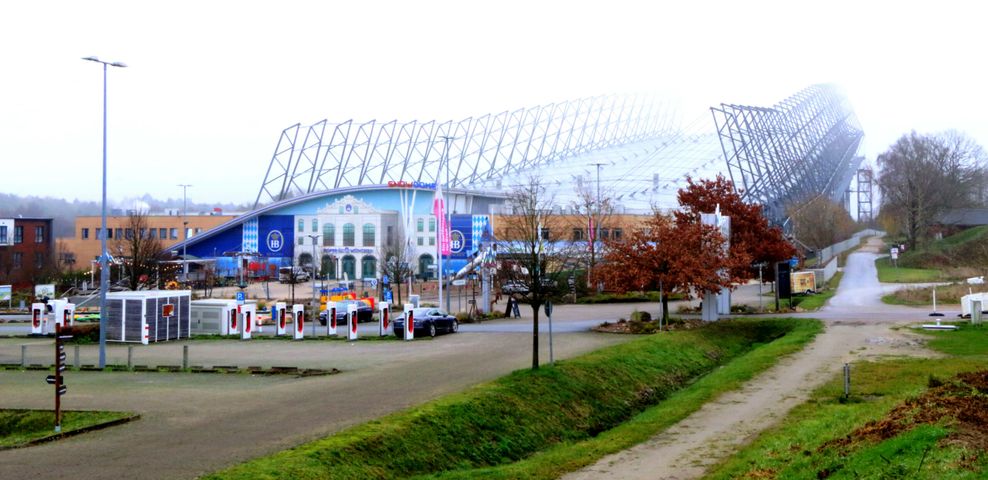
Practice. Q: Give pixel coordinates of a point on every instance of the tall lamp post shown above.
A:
(185, 231)
(314, 237)
(104, 274)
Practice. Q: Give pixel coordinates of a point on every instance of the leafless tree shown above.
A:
(595, 208)
(820, 222)
(398, 262)
(922, 176)
(531, 250)
(141, 252)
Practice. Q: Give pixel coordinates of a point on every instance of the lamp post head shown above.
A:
(118, 64)
(91, 59)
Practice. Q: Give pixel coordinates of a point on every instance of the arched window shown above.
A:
(432, 224)
(424, 261)
(305, 259)
(368, 267)
(420, 225)
(328, 235)
(368, 234)
(348, 235)
(328, 267)
(349, 266)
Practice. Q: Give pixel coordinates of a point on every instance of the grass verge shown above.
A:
(818, 300)
(22, 427)
(568, 412)
(901, 421)
(890, 274)
(946, 294)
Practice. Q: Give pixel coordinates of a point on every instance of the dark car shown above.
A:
(428, 321)
(364, 312)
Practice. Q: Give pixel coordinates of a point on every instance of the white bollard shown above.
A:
(298, 313)
(280, 317)
(330, 318)
(384, 322)
(247, 318)
(351, 321)
(409, 322)
(37, 318)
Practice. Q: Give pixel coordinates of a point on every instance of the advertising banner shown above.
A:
(5, 293)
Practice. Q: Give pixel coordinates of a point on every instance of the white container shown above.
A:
(148, 316)
(213, 316)
(967, 299)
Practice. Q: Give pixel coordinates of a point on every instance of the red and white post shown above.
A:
(409, 322)
(385, 320)
(38, 318)
(248, 315)
(233, 322)
(298, 313)
(351, 321)
(331, 318)
(280, 318)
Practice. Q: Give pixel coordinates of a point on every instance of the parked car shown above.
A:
(364, 312)
(509, 288)
(428, 321)
(290, 274)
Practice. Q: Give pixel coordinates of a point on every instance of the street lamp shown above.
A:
(313, 236)
(185, 231)
(104, 275)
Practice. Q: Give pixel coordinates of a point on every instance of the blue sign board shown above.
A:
(387, 296)
(241, 297)
(793, 262)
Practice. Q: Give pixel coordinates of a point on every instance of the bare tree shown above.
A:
(530, 255)
(820, 222)
(398, 262)
(922, 176)
(595, 208)
(141, 252)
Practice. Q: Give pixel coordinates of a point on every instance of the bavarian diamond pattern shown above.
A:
(250, 236)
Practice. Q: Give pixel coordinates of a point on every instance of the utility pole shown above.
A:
(185, 231)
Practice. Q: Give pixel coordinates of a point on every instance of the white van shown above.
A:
(286, 274)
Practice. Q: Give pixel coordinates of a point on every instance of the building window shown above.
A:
(144, 233)
(348, 235)
(390, 237)
(18, 259)
(368, 267)
(369, 235)
(188, 233)
(577, 234)
(420, 242)
(118, 233)
(432, 224)
(432, 241)
(197, 231)
(301, 240)
(3, 234)
(301, 225)
(328, 235)
(85, 234)
(618, 233)
(315, 225)
(129, 234)
(18, 234)
(420, 226)
(173, 233)
(544, 233)
(153, 233)
(39, 234)
(39, 260)
(605, 233)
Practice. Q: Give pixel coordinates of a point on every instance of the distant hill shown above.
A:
(64, 211)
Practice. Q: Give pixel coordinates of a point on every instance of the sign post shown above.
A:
(894, 253)
(56, 379)
(548, 314)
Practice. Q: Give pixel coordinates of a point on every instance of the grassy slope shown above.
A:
(508, 419)
(889, 274)
(818, 300)
(794, 449)
(936, 259)
(18, 427)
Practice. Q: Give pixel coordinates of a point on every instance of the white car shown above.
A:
(976, 281)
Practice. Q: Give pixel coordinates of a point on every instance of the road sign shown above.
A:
(61, 357)
(61, 368)
(241, 298)
(384, 279)
(459, 282)
(388, 296)
(548, 308)
(895, 253)
(62, 389)
(51, 379)
(793, 262)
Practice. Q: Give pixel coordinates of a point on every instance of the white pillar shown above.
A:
(248, 317)
(37, 318)
(298, 313)
(231, 326)
(351, 321)
(330, 318)
(409, 332)
(384, 322)
(280, 317)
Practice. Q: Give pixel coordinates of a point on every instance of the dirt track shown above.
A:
(858, 329)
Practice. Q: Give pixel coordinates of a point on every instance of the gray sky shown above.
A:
(210, 85)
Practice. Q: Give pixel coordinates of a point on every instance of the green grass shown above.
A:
(18, 427)
(628, 297)
(889, 274)
(555, 410)
(798, 447)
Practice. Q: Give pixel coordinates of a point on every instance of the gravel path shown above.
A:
(858, 328)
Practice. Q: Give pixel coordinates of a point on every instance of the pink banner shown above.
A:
(439, 210)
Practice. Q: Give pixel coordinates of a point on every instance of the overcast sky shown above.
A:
(210, 84)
